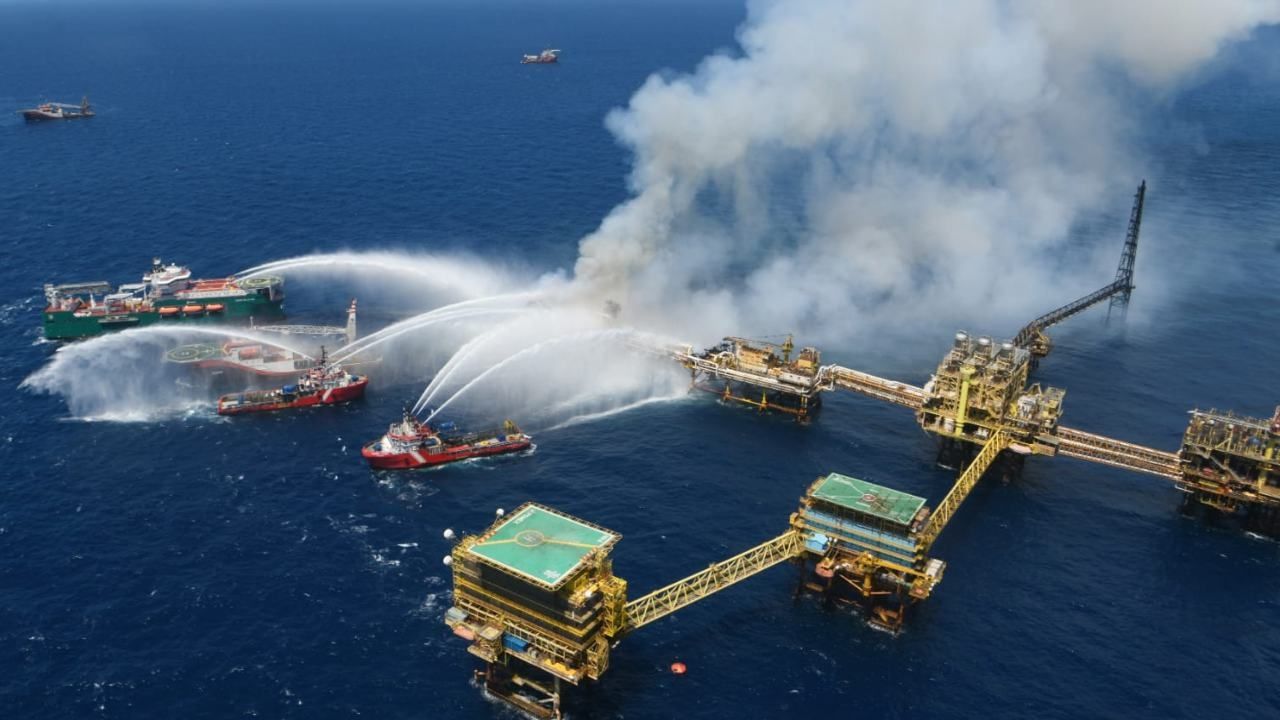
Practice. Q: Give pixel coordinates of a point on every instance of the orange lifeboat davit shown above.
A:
(192, 309)
(214, 307)
(168, 311)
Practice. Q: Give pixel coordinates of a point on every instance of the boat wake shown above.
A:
(18, 311)
(197, 410)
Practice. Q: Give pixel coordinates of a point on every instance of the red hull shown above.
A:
(423, 458)
(331, 396)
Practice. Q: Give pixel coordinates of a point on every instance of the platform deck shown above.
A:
(541, 545)
(868, 498)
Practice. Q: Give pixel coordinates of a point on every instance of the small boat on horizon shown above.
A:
(58, 111)
(543, 58)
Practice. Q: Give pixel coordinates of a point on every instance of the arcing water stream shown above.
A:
(535, 353)
(463, 354)
(516, 357)
(124, 376)
(452, 277)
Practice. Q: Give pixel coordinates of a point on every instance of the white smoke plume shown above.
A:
(868, 167)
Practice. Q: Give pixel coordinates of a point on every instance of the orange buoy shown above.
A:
(678, 668)
(167, 311)
(192, 309)
(213, 307)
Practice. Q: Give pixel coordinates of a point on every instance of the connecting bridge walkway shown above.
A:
(664, 601)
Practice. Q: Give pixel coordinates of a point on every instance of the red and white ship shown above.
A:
(411, 444)
(323, 385)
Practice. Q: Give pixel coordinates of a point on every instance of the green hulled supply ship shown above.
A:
(167, 294)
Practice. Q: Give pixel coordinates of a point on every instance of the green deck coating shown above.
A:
(541, 545)
(869, 498)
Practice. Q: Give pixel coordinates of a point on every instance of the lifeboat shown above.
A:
(192, 309)
(168, 311)
(214, 307)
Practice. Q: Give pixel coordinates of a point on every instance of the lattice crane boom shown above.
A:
(1124, 273)
(1118, 291)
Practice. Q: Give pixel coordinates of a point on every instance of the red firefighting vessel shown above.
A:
(324, 385)
(411, 444)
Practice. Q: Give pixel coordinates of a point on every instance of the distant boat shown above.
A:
(542, 58)
(59, 111)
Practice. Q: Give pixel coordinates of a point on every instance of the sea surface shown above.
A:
(190, 568)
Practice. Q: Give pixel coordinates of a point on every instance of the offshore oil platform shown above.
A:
(761, 375)
(536, 596)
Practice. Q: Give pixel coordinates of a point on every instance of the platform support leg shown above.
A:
(954, 454)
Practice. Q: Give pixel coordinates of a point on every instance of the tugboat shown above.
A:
(58, 111)
(166, 294)
(328, 384)
(411, 444)
(543, 58)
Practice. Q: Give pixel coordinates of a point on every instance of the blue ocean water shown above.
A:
(187, 568)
